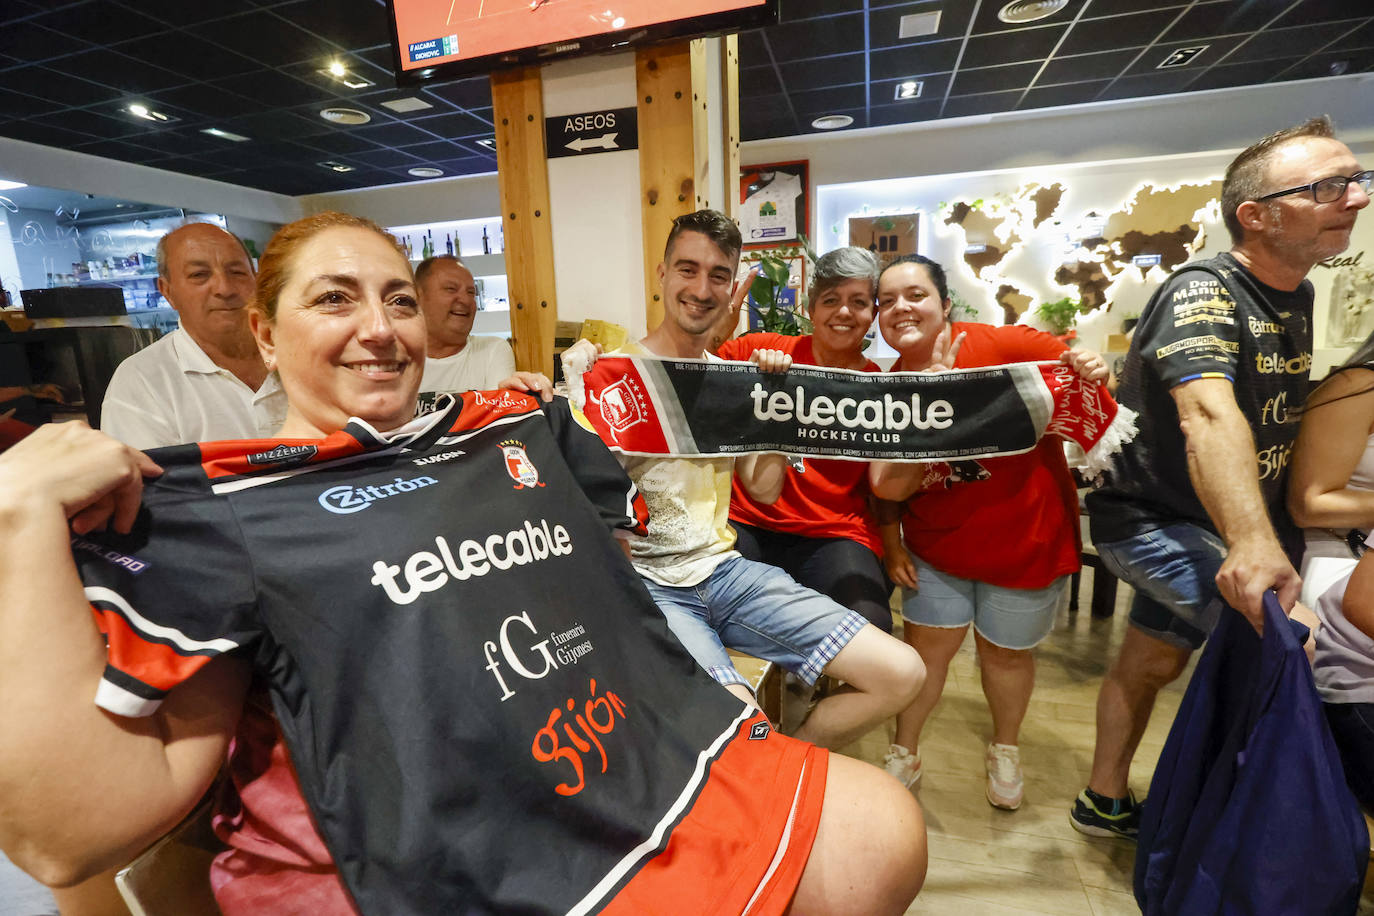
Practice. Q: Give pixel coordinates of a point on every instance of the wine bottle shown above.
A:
(448, 243)
(486, 242)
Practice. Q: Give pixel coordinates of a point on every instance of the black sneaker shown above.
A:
(1097, 815)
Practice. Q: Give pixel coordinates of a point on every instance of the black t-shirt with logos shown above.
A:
(1211, 319)
(485, 709)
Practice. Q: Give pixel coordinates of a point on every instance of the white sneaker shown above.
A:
(1006, 785)
(903, 765)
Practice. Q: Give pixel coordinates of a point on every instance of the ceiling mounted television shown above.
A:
(445, 39)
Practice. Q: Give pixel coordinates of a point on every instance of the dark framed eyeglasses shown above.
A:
(1328, 190)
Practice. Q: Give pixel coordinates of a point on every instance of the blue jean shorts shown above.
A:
(1173, 571)
(759, 610)
(1013, 618)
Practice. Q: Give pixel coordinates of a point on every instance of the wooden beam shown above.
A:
(663, 78)
(523, 177)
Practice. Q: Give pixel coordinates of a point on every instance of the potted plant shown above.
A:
(1059, 316)
(767, 299)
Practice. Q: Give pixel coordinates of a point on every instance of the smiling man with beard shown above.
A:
(205, 380)
(456, 360)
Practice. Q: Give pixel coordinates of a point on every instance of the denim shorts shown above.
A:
(1013, 618)
(759, 610)
(1173, 571)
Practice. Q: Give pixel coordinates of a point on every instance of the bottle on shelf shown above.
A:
(486, 242)
(457, 245)
(502, 229)
(448, 243)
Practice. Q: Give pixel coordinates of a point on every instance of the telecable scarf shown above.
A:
(690, 407)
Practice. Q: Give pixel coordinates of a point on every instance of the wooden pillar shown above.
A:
(688, 141)
(523, 177)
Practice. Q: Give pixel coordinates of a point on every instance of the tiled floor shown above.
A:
(987, 862)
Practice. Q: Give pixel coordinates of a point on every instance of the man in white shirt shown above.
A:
(455, 359)
(206, 380)
(712, 597)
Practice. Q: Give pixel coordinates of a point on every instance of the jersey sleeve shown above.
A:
(168, 597)
(741, 348)
(602, 479)
(1190, 329)
(1020, 344)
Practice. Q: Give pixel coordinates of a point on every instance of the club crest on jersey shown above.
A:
(759, 730)
(622, 404)
(519, 466)
(283, 454)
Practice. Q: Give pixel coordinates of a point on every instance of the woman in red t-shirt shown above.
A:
(994, 546)
(821, 529)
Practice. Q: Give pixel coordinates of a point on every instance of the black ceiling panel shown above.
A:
(252, 67)
(1310, 11)
(266, 38)
(904, 112)
(184, 12)
(1217, 52)
(816, 37)
(1103, 65)
(185, 53)
(987, 103)
(29, 42)
(468, 93)
(448, 127)
(1066, 94)
(98, 22)
(755, 81)
(49, 83)
(1281, 43)
(347, 23)
(119, 71)
(1227, 18)
(990, 79)
(1012, 47)
(1132, 31)
(824, 71)
(913, 60)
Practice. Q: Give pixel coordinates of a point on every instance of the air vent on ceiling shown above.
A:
(1021, 11)
(345, 116)
(915, 25)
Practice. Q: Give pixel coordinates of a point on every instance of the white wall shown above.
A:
(594, 201)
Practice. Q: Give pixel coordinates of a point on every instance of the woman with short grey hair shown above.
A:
(821, 530)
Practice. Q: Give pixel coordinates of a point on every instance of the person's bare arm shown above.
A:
(1358, 603)
(762, 475)
(1222, 466)
(1336, 424)
(82, 790)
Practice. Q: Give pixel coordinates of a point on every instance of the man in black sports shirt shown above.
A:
(1192, 514)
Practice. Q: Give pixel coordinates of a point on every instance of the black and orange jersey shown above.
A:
(486, 711)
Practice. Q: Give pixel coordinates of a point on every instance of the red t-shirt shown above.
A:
(830, 500)
(1018, 528)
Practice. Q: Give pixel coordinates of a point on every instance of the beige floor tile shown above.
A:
(1111, 903)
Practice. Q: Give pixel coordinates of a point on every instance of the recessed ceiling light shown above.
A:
(916, 25)
(339, 73)
(1338, 67)
(908, 89)
(488, 142)
(336, 166)
(1181, 57)
(345, 116)
(406, 103)
(425, 171)
(224, 134)
(139, 110)
(1020, 11)
(11, 185)
(832, 122)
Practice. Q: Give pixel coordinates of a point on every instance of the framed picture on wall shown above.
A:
(889, 236)
(774, 203)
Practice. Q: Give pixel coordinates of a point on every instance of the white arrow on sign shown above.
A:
(605, 141)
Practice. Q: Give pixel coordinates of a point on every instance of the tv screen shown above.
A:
(446, 39)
